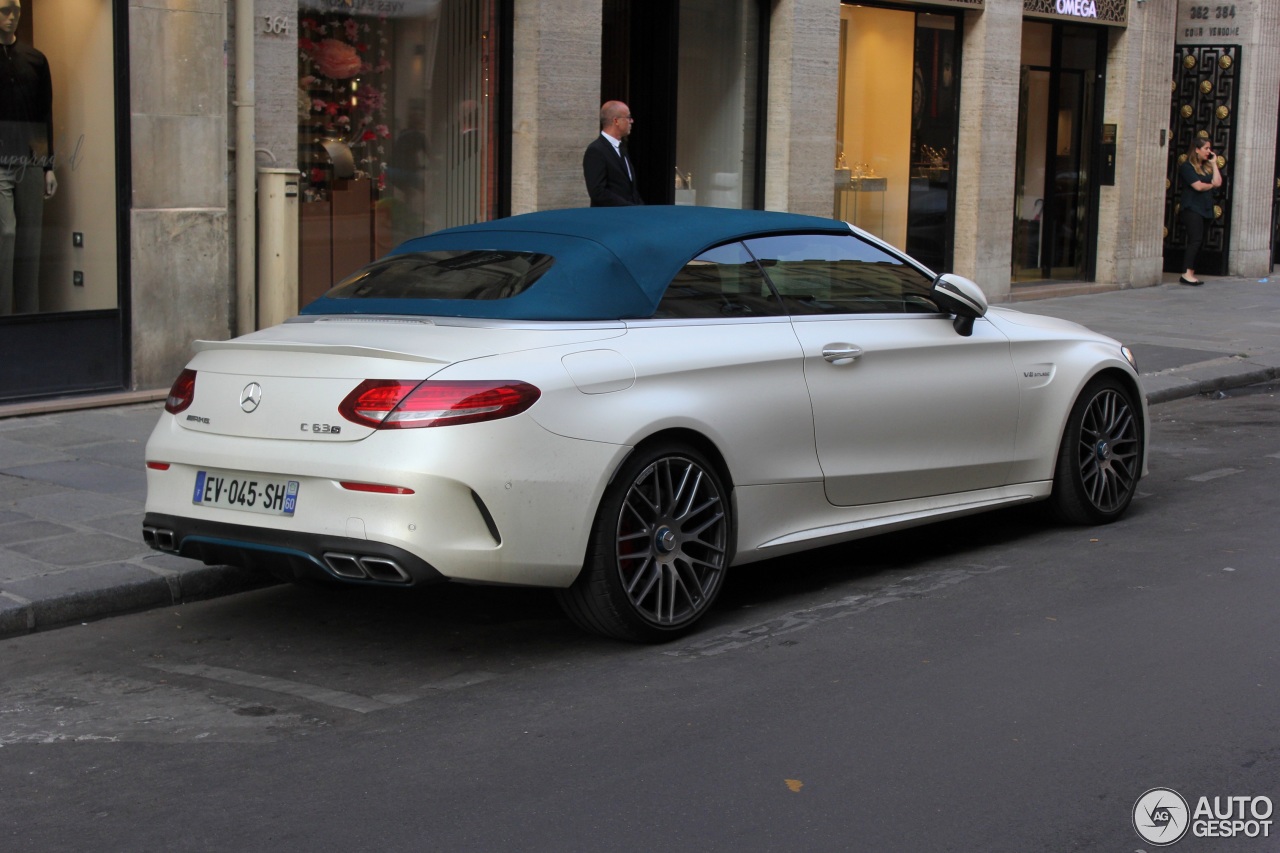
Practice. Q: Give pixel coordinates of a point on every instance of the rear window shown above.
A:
(445, 275)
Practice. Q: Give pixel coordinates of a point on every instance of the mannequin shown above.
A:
(26, 162)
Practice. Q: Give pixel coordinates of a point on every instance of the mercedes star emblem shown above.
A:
(250, 397)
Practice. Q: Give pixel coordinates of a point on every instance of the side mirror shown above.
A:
(957, 295)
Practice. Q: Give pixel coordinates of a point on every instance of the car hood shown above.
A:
(303, 370)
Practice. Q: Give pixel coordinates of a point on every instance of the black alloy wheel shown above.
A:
(659, 548)
(1100, 460)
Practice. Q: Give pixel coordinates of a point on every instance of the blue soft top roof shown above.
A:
(610, 263)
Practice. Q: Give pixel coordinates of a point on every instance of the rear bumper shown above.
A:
(505, 502)
(285, 554)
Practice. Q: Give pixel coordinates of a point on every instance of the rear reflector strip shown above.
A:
(377, 488)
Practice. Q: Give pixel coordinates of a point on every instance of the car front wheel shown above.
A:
(658, 551)
(1100, 459)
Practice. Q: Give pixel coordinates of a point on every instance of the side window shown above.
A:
(721, 282)
(841, 274)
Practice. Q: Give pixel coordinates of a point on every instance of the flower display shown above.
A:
(336, 60)
(371, 100)
(343, 63)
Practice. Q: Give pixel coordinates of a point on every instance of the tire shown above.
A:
(1100, 459)
(658, 550)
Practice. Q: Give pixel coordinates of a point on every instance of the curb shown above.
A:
(1209, 376)
(1209, 385)
(75, 596)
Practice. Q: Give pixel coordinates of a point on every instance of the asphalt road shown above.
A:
(993, 684)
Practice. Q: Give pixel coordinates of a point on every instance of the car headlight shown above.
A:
(1128, 356)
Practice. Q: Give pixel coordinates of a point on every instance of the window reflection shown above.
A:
(721, 282)
(830, 274)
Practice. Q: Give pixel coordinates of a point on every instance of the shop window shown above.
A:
(58, 249)
(397, 129)
(716, 102)
(690, 70)
(899, 83)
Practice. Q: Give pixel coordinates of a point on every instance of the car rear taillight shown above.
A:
(399, 404)
(182, 393)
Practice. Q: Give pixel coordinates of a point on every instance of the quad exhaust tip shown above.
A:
(368, 567)
(160, 538)
(372, 567)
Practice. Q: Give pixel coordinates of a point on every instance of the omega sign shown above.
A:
(1078, 8)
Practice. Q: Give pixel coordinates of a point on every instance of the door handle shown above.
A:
(841, 353)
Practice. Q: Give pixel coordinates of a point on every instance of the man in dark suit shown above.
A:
(605, 166)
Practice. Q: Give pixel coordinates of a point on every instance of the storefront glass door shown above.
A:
(1275, 204)
(1055, 205)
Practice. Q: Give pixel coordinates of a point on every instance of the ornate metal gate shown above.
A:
(1205, 95)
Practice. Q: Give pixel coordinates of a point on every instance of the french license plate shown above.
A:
(247, 492)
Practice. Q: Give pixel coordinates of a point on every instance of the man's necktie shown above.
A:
(626, 164)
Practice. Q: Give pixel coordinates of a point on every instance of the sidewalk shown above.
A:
(1188, 340)
(72, 484)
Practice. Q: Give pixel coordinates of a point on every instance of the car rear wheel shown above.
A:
(658, 551)
(1100, 459)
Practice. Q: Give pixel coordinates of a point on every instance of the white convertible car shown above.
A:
(620, 404)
